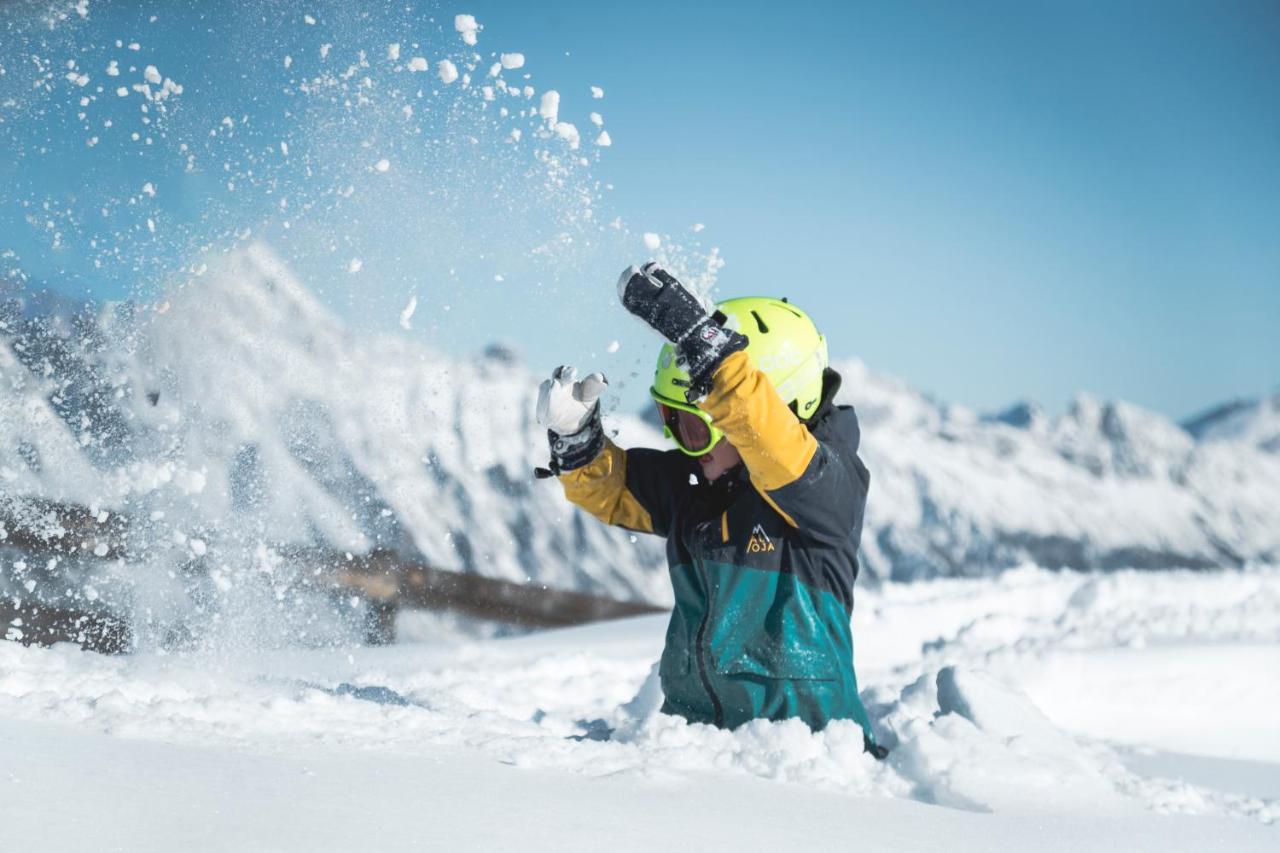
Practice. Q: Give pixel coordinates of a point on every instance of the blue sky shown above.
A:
(992, 201)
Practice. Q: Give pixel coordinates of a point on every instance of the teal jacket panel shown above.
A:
(746, 643)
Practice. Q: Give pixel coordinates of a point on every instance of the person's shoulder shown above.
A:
(839, 426)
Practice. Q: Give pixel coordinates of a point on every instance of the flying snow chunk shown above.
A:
(113, 69)
(407, 314)
(418, 63)
(568, 133)
(652, 241)
(149, 188)
(393, 51)
(512, 60)
(467, 27)
(382, 165)
(698, 226)
(122, 91)
(355, 266)
(604, 140)
(448, 71)
(597, 119)
(613, 347)
(152, 75)
(549, 107)
(597, 92)
(308, 20)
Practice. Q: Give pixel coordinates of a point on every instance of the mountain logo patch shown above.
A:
(759, 542)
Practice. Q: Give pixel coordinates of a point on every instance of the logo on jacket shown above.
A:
(759, 541)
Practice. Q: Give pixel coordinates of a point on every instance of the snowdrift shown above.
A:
(413, 743)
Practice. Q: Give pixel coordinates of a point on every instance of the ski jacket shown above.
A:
(762, 561)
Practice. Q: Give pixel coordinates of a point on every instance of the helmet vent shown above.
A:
(764, 329)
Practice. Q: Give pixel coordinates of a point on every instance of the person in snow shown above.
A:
(761, 503)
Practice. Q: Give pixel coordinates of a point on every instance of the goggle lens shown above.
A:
(690, 431)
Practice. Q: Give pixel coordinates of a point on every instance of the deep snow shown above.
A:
(995, 694)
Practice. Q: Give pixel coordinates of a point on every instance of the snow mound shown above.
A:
(968, 741)
(581, 704)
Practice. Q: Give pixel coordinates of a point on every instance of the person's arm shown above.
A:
(635, 489)
(818, 487)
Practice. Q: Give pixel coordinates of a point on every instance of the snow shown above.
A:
(419, 64)
(512, 60)
(604, 140)
(382, 165)
(393, 51)
(406, 315)
(1108, 693)
(311, 748)
(597, 92)
(569, 133)
(467, 28)
(652, 241)
(448, 71)
(549, 106)
(355, 265)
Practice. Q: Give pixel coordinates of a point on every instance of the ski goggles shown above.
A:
(696, 436)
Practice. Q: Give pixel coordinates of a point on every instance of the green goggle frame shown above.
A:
(667, 408)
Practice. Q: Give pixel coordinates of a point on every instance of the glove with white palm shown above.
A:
(570, 410)
(671, 309)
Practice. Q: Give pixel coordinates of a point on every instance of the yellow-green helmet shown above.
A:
(782, 342)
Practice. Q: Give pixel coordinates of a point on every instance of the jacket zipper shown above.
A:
(702, 663)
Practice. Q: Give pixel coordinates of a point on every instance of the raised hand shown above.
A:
(675, 312)
(570, 410)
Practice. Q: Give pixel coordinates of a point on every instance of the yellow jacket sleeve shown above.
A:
(600, 488)
(776, 447)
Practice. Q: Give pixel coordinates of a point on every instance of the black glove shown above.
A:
(656, 297)
(570, 452)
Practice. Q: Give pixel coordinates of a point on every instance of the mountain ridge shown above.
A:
(241, 411)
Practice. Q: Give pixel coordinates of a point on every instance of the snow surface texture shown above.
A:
(243, 416)
(414, 744)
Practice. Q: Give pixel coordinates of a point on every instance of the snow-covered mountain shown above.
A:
(251, 415)
(1105, 485)
(241, 412)
(1256, 422)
